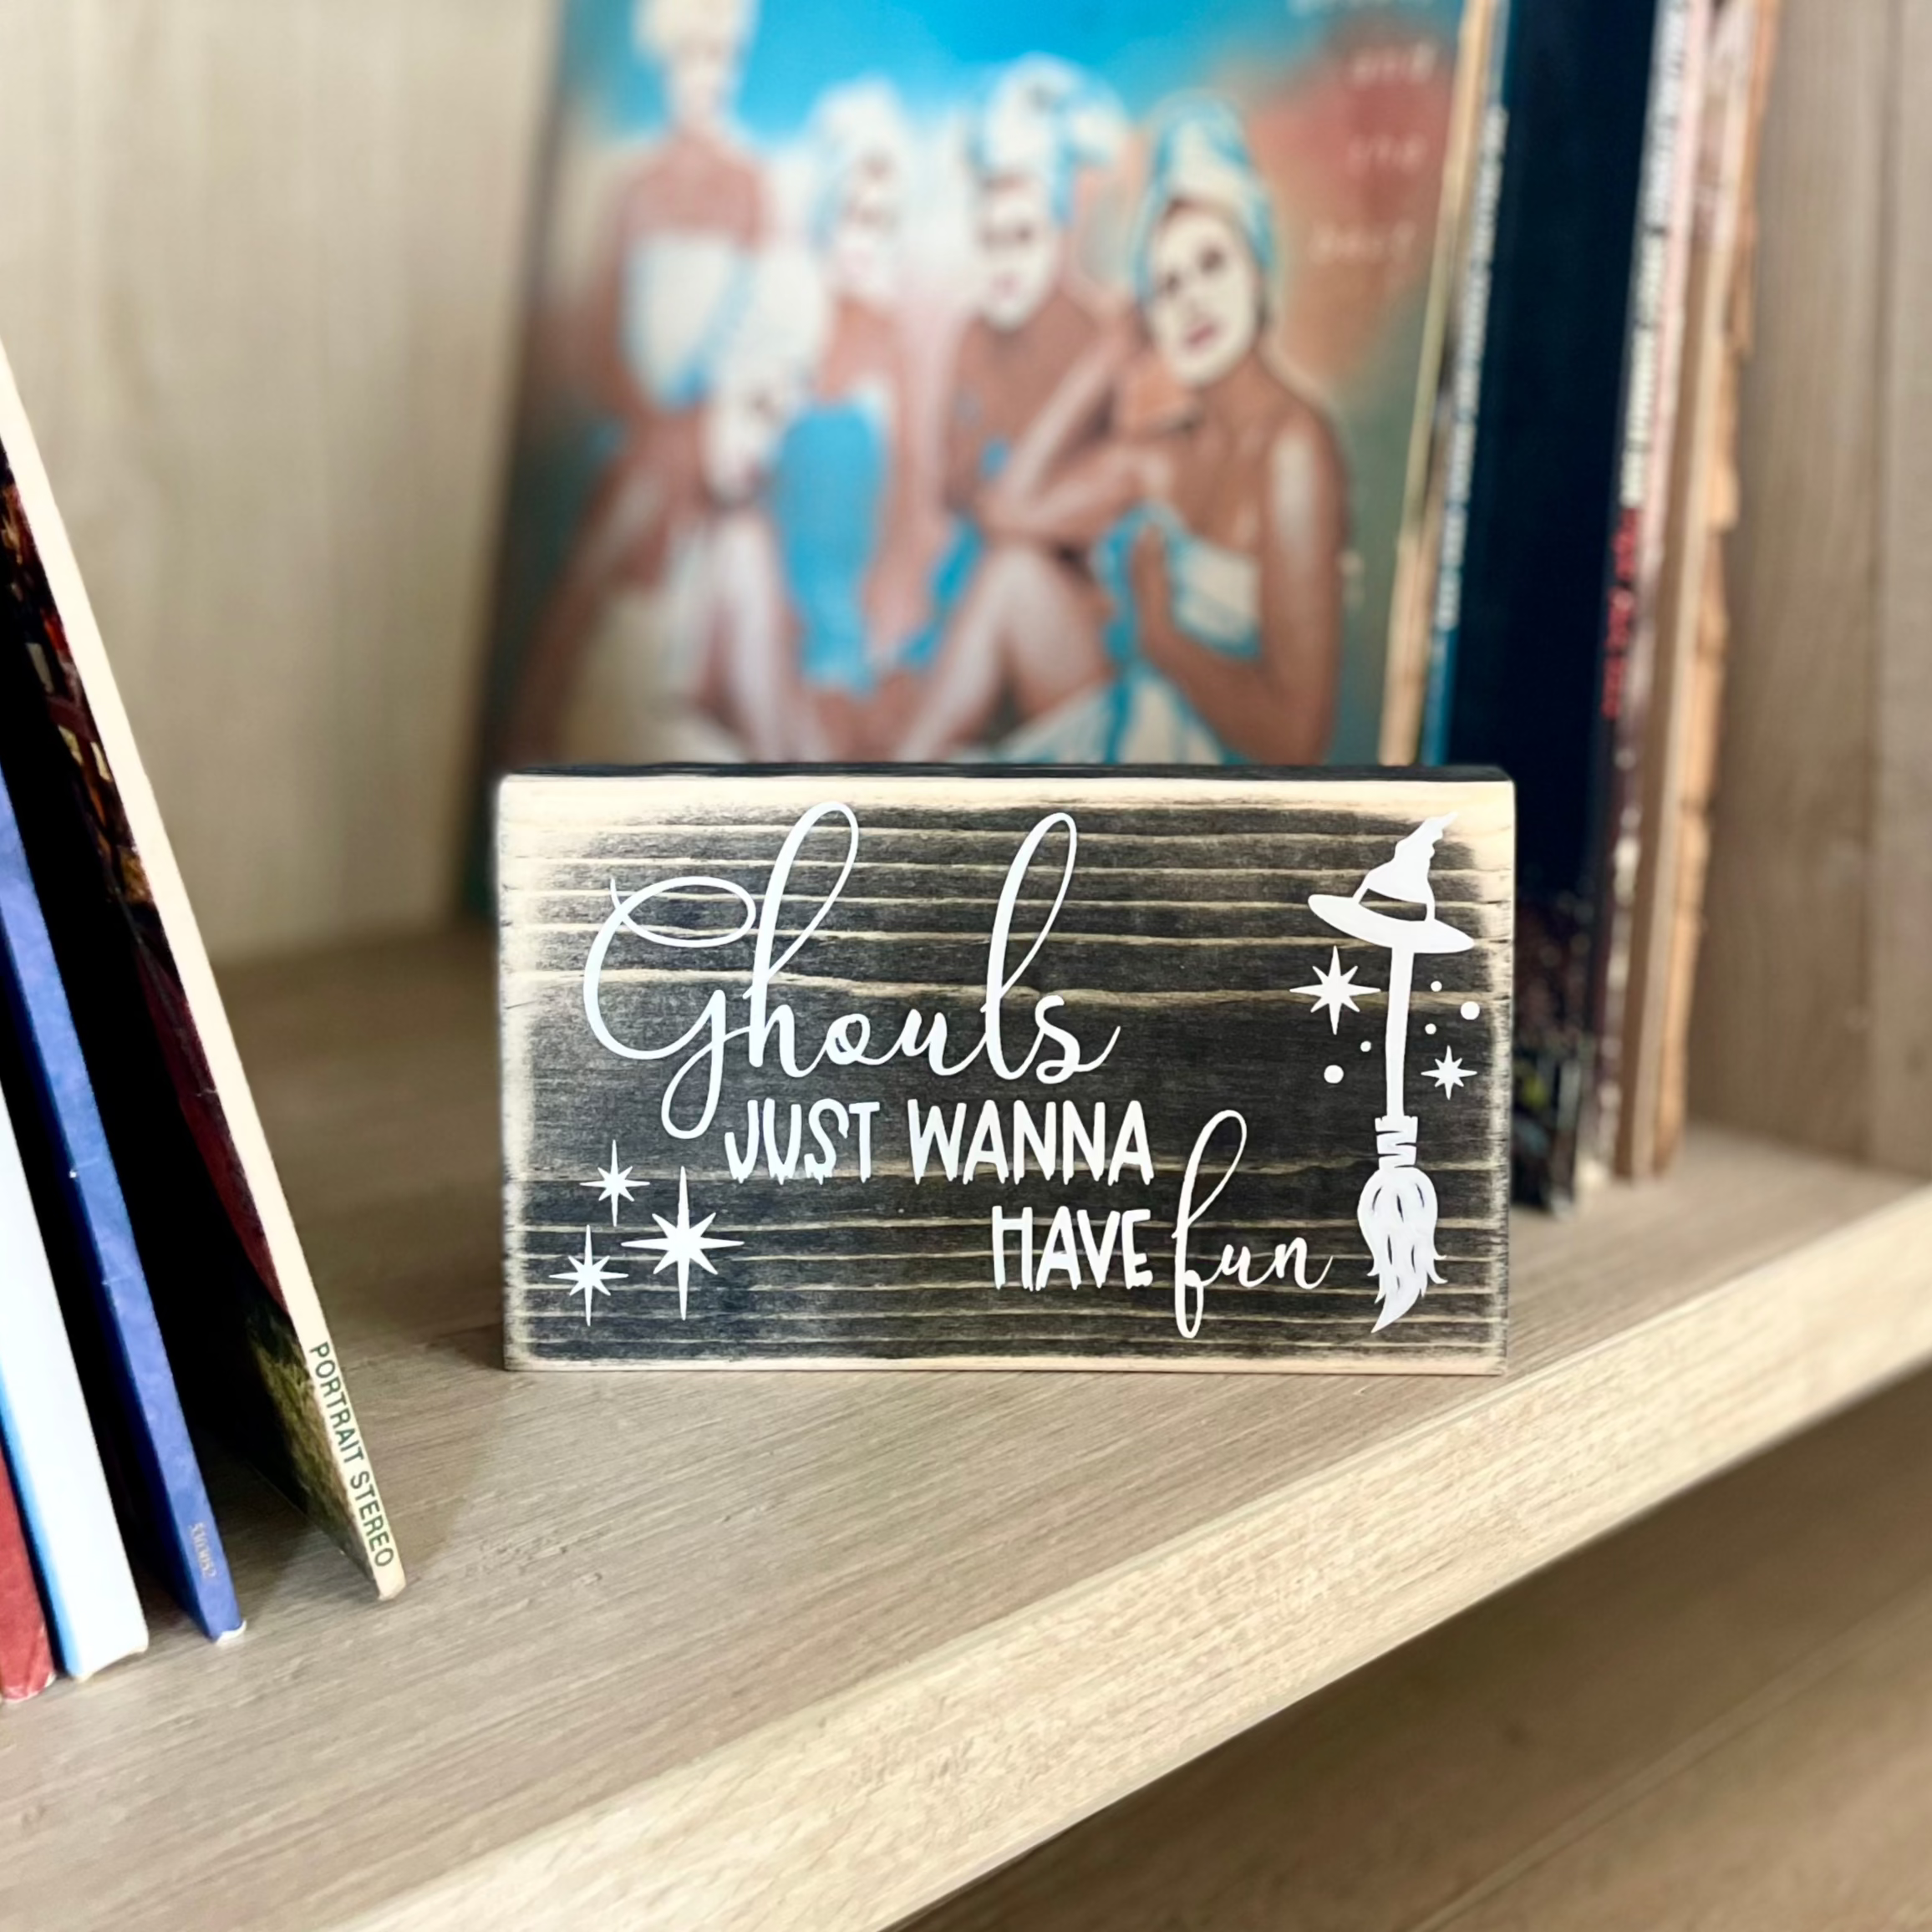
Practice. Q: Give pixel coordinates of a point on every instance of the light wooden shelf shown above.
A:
(811, 1651)
(1720, 1717)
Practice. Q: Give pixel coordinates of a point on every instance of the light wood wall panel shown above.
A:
(258, 272)
(1901, 884)
(1814, 1017)
(1790, 866)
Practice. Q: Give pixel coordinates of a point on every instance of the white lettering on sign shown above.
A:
(845, 1040)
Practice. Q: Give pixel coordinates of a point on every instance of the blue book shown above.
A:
(162, 1472)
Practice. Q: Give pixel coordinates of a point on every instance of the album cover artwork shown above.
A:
(972, 380)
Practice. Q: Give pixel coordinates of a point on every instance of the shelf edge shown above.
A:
(861, 1809)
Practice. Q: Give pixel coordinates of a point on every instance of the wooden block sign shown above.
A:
(1006, 1069)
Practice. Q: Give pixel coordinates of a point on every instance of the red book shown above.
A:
(26, 1659)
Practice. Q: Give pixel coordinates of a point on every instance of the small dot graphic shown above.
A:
(1430, 1028)
(1333, 1076)
(1368, 1046)
(1435, 985)
(1470, 1010)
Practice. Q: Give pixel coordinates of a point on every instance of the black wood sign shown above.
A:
(1006, 1069)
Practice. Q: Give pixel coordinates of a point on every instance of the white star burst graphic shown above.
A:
(681, 1245)
(614, 1183)
(586, 1273)
(1334, 989)
(1448, 1073)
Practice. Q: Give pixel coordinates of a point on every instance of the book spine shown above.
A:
(168, 1470)
(1679, 750)
(1418, 541)
(50, 1446)
(26, 1659)
(1666, 215)
(1704, 703)
(1467, 397)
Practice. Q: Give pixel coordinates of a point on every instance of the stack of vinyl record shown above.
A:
(1571, 626)
(153, 1294)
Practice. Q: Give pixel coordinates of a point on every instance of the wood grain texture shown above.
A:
(1782, 1039)
(1716, 1719)
(1900, 906)
(1160, 926)
(782, 1650)
(259, 269)
(1812, 1013)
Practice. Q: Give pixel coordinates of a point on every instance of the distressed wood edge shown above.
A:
(517, 794)
(522, 800)
(513, 1136)
(866, 1806)
(984, 770)
(1488, 1362)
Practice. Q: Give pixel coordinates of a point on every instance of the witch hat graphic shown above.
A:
(1397, 1211)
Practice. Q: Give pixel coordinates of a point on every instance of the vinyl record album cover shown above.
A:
(244, 1331)
(972, 380)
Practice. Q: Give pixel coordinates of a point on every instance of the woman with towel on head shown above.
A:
(1040, 126)
(719, 648)
(838, 496)
(685, 224)
(732, 626)
(1219, 537)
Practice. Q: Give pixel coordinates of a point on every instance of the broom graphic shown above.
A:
(1397, 1210)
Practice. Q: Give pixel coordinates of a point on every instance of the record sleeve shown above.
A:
(1534, 676)
(247, 1333)
(26, 1657)
(975, 381)
(110, 1310)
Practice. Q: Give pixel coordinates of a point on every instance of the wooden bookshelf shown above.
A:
(803, 1650)
(1720, 1717)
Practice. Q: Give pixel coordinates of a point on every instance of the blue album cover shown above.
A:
(91, 1241)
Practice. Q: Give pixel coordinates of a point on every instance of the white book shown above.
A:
(70, 1521)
